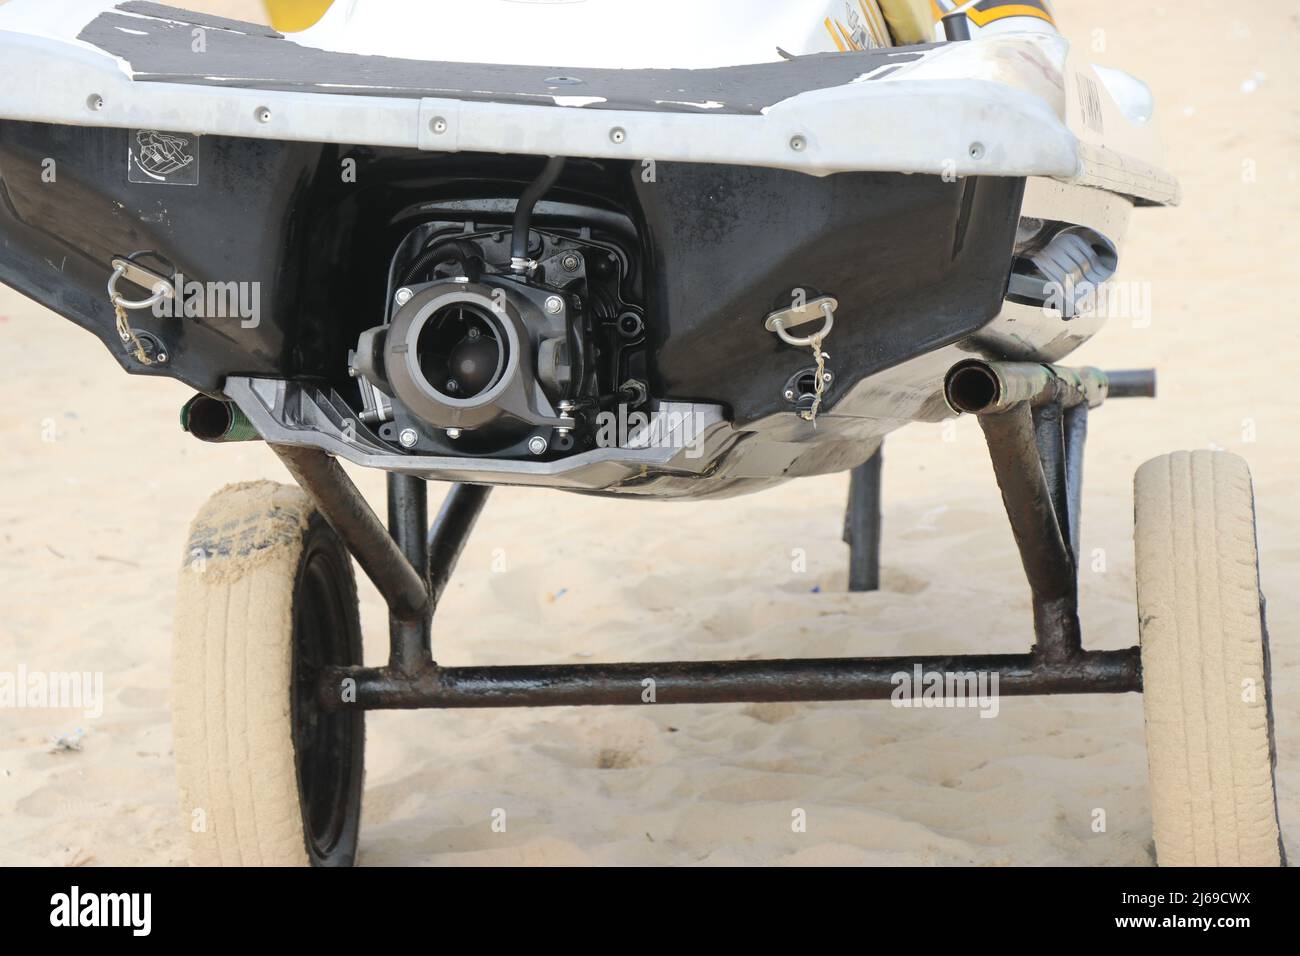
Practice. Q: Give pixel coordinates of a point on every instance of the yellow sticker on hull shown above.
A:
(290, 16)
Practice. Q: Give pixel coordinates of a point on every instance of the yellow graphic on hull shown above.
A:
(987, 11)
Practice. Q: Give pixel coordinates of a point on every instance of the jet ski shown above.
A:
(670, 252)
(580, 252)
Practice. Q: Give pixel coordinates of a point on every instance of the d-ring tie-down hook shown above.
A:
(822, 307)
(147, 279)
(161, 285)
(779, 321)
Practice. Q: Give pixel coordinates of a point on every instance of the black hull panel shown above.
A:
(915, 262)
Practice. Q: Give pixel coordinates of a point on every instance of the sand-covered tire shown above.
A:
(1205, 673)
(267, 596)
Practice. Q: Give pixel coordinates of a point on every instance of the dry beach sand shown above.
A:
(92, 524)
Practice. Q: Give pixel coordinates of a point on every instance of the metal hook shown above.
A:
(779, 322)
(162, 288)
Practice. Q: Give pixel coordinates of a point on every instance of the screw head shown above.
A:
(537, 445)
(554, 305)
(403, 295)
(789, 394)
(570, 263)
(161, 358)
(797, 143)
(438, 125)
(95, 102)
(617, 135)
(408, 437)
(827, 376)
(263, 114)
(976, 150)
(453, 433)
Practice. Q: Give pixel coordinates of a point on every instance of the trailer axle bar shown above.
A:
(715, 682)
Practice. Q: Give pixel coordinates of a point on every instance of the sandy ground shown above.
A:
(92, 522)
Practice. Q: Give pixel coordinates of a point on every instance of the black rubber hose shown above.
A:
(524, 208)
(457, 250)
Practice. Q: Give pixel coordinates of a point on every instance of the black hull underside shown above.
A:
(916, 262)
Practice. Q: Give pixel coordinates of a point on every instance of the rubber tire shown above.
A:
(1210, 746)
(240, 637)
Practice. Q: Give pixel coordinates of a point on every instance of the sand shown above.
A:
(92, 525)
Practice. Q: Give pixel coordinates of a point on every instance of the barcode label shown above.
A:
(1090, 102)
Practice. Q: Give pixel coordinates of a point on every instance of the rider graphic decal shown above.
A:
(157, 157)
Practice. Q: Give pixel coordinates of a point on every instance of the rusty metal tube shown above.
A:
(345, 508)
(986, 388)
(409, 639)
(707, 682)
(1132, 383)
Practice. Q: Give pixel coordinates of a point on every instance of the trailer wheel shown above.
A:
(267, 596)
(1205, 668)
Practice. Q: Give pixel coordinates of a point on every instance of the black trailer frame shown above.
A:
(1035, 434)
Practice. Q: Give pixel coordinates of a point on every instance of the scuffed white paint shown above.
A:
(578, 100)
(706, 105)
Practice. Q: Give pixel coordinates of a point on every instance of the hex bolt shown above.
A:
(554, 305)
(408, 437)
(537, 445)
(453, 433)
(570, 263)
(636, 391)
(403, 295)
